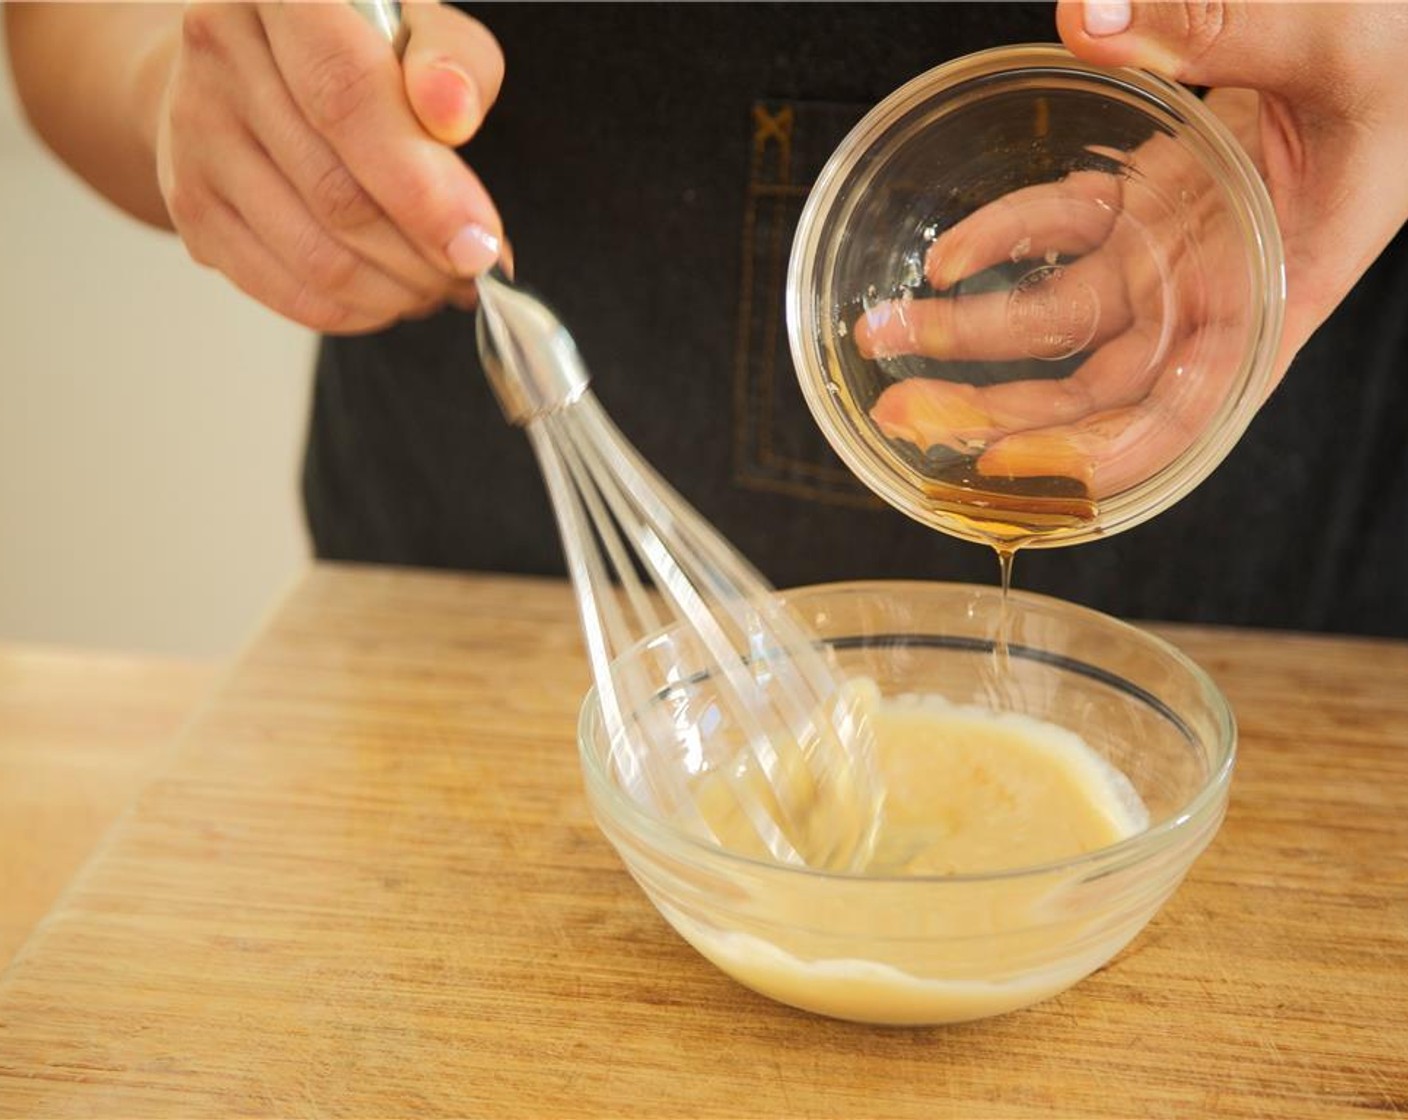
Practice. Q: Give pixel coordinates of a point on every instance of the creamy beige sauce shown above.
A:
(967, 791)
(970, 790)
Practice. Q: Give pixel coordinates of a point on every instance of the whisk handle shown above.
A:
(529, 358)
(385, 15)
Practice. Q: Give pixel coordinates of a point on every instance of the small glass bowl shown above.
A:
(1034, 300)
(935, 949)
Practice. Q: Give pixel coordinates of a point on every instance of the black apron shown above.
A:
(650, 163)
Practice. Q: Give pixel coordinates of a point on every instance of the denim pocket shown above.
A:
(777, 446)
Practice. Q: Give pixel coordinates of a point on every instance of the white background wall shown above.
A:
(150, 427)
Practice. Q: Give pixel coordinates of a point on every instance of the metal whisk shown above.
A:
(779, 755)
(736, 726)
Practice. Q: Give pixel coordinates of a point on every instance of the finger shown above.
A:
(1106, 452)
(224, 242)
(1051, 313)
(453, 70)
(278, 219)
(932, 412)
(967, 327)
(465, 293)
(1120, 447)
(1121, 372)
(327, 189)
(1240, 43)
(349, 87)
(1071, 216)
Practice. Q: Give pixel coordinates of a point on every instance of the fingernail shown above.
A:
(869, 328)
(1106, 17)
(449, 67)
(461, 113)
(945, 264)
(945, 273)
(473, 250)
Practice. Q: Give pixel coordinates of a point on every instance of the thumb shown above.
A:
(1244, 44)
(453, 69)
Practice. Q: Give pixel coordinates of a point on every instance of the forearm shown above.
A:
(91, 79)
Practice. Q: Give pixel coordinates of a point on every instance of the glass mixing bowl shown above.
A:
(1033, 300)
(932, 949)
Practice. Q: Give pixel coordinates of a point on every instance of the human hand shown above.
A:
(297, 156)
(1323, 124)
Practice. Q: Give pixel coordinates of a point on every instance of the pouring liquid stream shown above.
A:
(1005, 514)
(1006, 553)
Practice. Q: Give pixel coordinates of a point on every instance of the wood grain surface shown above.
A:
(367, 884)
(80, 733)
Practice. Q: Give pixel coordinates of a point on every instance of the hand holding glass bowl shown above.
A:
(1034, 301)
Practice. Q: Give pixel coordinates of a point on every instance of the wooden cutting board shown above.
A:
(80, 733)
(367, 884)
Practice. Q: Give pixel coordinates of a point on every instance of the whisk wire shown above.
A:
(729, 717)
(685, 583)
(594, 485)
(774, 674)
(600, 617)
(766, 635)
